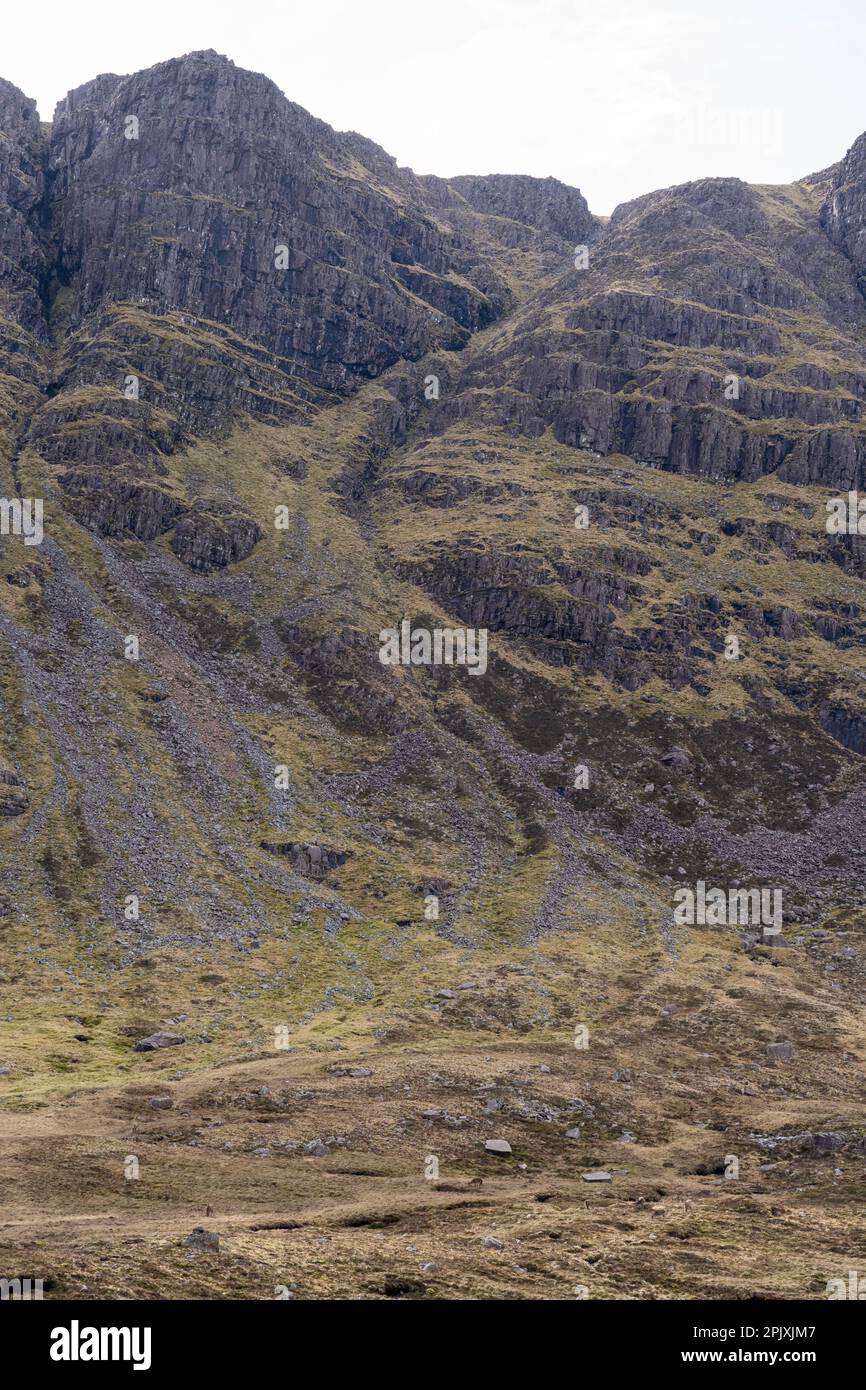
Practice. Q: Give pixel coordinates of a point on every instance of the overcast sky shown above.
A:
(617, 97)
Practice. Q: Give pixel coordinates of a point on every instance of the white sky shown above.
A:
(617, 97)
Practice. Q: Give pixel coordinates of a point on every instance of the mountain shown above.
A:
(278, 395)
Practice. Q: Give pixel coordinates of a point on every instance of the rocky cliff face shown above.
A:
(186, 211)
(546, 205)
(715, 332)
(278, 394)
(21, 189)
(843, 212)
(207, 247)
(22, 319)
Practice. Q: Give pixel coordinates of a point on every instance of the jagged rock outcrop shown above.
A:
(517, 202)
(23, 269)
(249, 172)
(211, 537)
(843, 214)
(220, 250)
(313, 861)
(14, 800)
(21, 190)
(156, 1041)
(702, 363)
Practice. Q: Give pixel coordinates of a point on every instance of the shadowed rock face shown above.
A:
(23, 273)
(843, 214)
(313, 861)
(207, 538)
(191, 229)
(14, 800)
(716, 332)
(188, 215)
(21, 188)
(544, 204)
